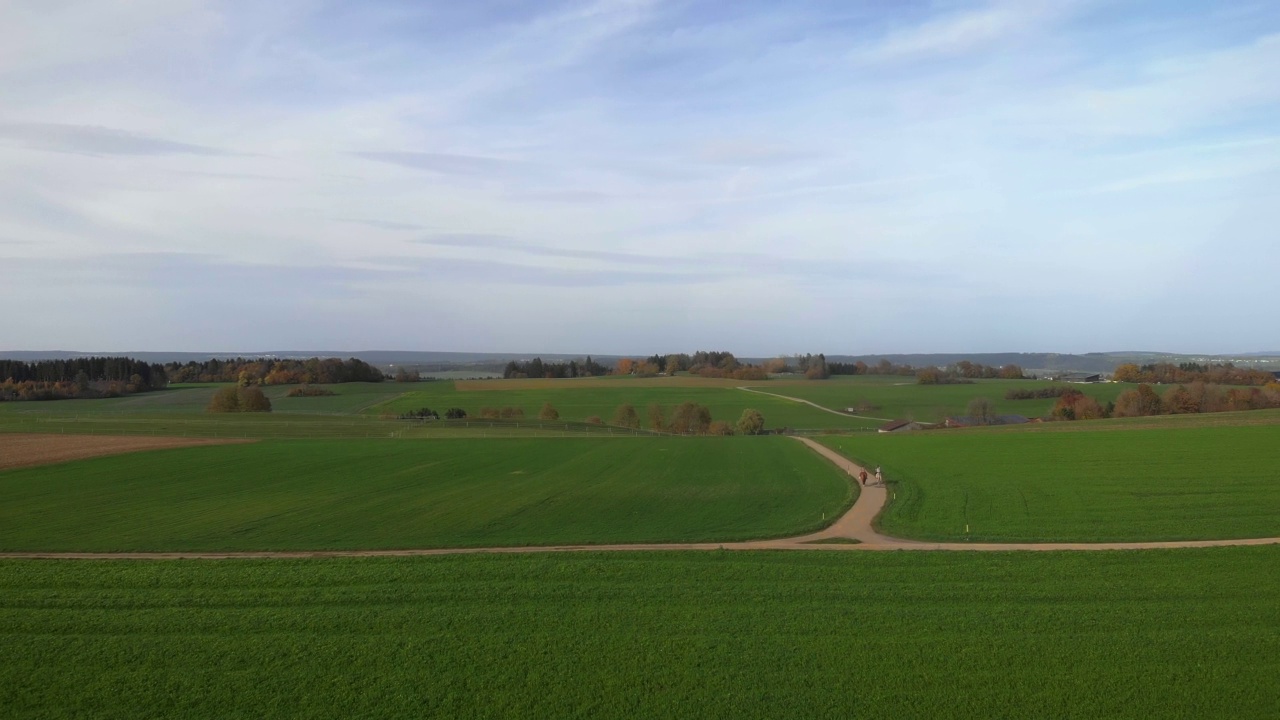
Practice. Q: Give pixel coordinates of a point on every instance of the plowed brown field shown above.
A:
(28, 450)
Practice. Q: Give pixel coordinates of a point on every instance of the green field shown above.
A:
(354, 494)
(1176, 483)
(369, 409)
(578, 400)
(1189, 634)
(891, 396)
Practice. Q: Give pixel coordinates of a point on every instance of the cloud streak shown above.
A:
(623, 176)
(89, 140)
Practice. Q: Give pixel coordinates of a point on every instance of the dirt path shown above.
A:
(29, 450)
(814, 404)
(855, 525)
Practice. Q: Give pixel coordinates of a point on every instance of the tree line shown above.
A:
(91, 377)
(537, 368)
(1168, 374)
(1144, 401)
(267, 371)
(687, 418)
(704, 363)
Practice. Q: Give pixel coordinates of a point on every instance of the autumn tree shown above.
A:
(511, 413)
(817, 368)
(252, 399)
(751, 422)
(406, 375)
(690, 418)
(489, 413)
(548, 412)
(657, 418)
(929, 376)
(1127, 372)
(1178, 400)
(775, 365)
(1073, 404)
(981, 410)
(225, 400)
(239, 399)
(1138, 403)
(719, 427)
(625, 366)
(1011, 372)
(626, 416)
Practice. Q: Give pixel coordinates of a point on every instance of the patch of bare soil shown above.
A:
(29, 450)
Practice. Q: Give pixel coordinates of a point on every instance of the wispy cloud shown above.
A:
(381, 224)
(350, 161)
(482, 241)
(91, 140)
(967, 30)
(444, 163)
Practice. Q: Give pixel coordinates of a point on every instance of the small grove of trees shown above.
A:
(965, 372)
(506, 413)
(703, 363)
(1168, 373)
(816, 368)
(455, 413)
(537, 368)
(1038, 393)
(548, 412)
(425, 413)
(308, 391)
(1073, 404)
(406, 375)
(239, 399)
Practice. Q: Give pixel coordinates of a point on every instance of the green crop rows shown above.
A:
(1166, 634)
(1088, 486)
(602, 399)
(901, 397)
(355, 494)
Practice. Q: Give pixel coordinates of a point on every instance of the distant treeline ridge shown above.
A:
(89, 377)
(267, 371)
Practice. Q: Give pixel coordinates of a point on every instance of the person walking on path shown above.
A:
(863, 477)
(879, 476)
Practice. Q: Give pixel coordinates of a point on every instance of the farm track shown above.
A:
(856, 525)
(814, 404)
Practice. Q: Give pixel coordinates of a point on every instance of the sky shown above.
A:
(635, 176)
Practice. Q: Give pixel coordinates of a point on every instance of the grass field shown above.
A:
(1175, 483)
(582, 398)
(901, 397)
(1189, 634)
(353, 494)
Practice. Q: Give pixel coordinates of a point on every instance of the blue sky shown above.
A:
(640, 176)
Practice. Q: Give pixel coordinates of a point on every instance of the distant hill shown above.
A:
(1041, 363)
(431, 361)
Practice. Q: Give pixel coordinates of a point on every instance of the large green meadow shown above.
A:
(891, 396)
(587, 397)
(363, 494)
(1179, 482)
(1189, 634)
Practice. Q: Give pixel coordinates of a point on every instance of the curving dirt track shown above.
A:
(855, 525)
(29, 450)
(814, 404)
